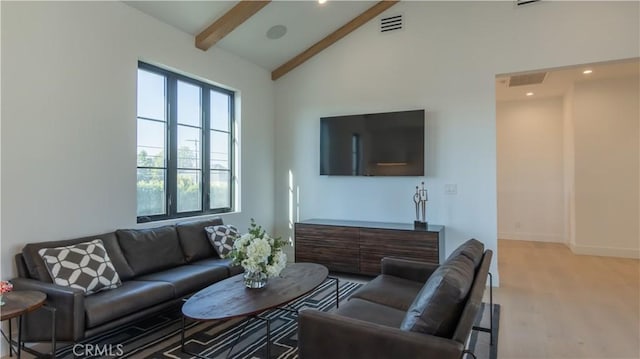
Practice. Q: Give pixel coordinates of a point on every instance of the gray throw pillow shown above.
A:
(222, 238)
(85, 266)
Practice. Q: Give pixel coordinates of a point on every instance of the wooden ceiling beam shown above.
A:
(332, 38)
(242, 11)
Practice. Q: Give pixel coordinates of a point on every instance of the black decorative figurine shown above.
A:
(420, 199)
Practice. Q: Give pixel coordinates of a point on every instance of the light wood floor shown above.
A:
(559, 305)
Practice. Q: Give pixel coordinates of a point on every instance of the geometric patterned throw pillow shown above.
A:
(222, 238)
(85, 266)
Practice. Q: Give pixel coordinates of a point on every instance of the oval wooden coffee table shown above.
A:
(229, 298)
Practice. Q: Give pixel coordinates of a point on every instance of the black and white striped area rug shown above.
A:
(159, 336)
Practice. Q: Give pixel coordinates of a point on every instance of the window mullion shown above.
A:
(232, 166)
(206, 150)
(172, 140)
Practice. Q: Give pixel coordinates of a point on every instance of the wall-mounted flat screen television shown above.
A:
(376, 144)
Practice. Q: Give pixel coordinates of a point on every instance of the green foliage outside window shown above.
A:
(151, 185)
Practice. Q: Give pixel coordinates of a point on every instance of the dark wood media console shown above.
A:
(357, 246)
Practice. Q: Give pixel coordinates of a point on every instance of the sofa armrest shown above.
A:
(69, 305)
(328, 335)
(408, 269)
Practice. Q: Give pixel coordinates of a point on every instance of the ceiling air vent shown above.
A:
(527, 79)
(391, 23)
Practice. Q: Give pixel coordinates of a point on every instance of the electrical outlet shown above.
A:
(451, 189)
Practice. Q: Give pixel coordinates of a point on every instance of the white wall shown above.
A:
(69, 118)
(607, 124)
(530, 169)
(445, 61)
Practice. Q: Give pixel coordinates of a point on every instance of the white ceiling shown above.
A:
(558, 81)
(307, 22)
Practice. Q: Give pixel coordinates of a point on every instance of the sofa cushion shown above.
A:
(150, 250)
(389, 290)
(222, 238)
(371, 312)
(472, 249)
(37, 269)
(129, 298)
(437, 308)
(218, 262)
(194, 240)
(187, 279)
(84, 266)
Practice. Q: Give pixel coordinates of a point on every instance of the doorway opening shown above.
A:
(568, 157)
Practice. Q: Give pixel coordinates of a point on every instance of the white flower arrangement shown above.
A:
(257, 252)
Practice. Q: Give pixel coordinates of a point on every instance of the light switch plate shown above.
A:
(451, 189)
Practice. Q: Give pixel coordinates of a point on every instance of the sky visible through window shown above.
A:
(151, 105)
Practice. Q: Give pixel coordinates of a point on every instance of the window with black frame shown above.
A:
(184, 146)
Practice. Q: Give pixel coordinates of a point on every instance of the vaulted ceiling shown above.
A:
(280, 35)
(308, 26)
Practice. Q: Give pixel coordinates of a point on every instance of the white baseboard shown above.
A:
(534, 237)
(605, 251)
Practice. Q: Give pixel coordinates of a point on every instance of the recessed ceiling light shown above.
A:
(586, 72)
(529, 93)
(322, 1)
(276, 32)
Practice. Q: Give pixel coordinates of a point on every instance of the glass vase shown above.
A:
(1, 300)
(255, 279)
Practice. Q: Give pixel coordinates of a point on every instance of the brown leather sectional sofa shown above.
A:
(157, 267)
(411, 310)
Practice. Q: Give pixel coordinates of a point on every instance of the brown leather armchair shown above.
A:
(411, 310)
